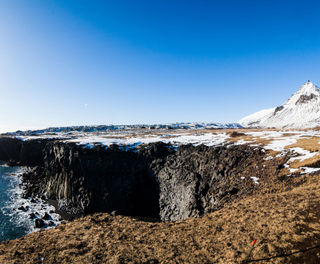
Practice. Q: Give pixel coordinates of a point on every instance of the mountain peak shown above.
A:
(301, 110)
(307, 92)
(309, 87)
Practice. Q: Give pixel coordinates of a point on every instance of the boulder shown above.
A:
(39, 223)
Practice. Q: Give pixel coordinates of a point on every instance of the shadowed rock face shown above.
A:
(152, 181)
(23, 153)
(99, 180)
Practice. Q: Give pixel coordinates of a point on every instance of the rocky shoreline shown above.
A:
(20, 214)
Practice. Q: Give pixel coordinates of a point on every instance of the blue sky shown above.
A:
(125, 62)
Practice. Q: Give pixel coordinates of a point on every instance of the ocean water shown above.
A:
(14, 222)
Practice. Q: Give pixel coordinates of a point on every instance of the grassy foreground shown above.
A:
(283, 217)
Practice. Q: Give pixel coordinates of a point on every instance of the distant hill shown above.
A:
(88, 129)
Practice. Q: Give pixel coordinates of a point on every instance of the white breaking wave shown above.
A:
(37, 206)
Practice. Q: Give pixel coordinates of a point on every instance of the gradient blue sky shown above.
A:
(125, 62)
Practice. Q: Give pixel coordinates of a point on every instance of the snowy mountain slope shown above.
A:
(302, 110)
(257, 117)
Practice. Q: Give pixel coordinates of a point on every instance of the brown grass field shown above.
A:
(283, 217)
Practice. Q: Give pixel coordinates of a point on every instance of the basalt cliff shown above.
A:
(154, 180)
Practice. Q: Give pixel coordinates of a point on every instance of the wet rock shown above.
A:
(51, 223)
(13, 163)
(32, 215)
(46, 216)
(22, 208)
(39, 223)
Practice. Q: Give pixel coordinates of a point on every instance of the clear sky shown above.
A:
(125, 62)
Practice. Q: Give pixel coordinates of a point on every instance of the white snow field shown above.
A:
(209, 139)
(278, 140)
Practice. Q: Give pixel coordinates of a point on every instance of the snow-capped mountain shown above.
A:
(302, 110)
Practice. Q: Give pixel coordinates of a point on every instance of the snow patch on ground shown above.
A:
(303, 154)
(309, 170)
(209, 139)
(129, 140)
(280, 144)
(255, 180)
(280, 140)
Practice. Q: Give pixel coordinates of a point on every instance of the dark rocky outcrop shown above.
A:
(23, 153)
(153, 180)
(278, 109)
(86, 180)
(201, 179)
(39, 223)
(305, 98)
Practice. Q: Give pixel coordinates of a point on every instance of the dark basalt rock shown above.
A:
(198, 180)
(92, 180)
(153, 180)
(32, 215)
(23, 153)
(39, 223)
(22, 208)
(46, 216)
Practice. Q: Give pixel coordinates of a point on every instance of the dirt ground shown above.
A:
(283, 217)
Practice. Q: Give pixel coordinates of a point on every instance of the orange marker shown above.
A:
(250, 251)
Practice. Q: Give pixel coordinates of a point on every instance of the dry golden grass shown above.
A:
(288, 134)
(283, 220)
(249, 139)
(244, 137)
(307, 143)
(311, 162)
(272, 152)
(263, 141)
